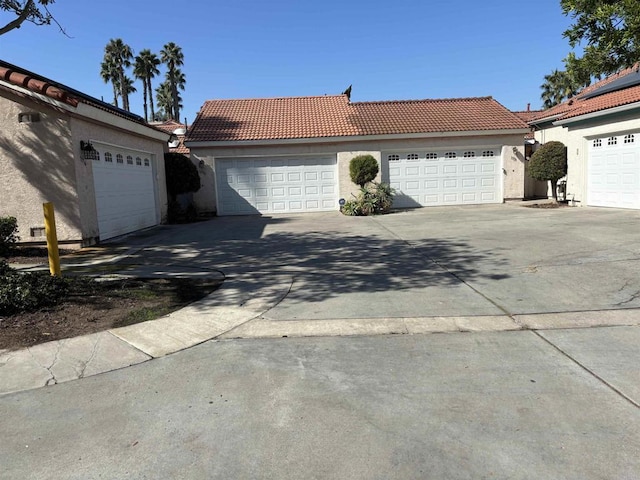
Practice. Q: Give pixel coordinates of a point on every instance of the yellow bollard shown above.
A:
(52, 239)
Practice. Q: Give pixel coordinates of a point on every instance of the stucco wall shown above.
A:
(576, 137)
(511, 146)
(37, 165)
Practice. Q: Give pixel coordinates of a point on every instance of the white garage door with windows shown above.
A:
(446, 177)
(614, 171)
(124, 189)
(248, 186)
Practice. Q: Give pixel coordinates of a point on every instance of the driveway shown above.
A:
(502, 260)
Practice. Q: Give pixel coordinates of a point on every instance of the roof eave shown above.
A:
(598, 114)
(354, 138)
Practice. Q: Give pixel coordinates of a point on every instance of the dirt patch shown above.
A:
(547, 205)
(93, 306)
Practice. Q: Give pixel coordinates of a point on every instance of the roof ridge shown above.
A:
(273, 98)
(424, 100)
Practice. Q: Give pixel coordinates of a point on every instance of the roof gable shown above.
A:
(335, 116)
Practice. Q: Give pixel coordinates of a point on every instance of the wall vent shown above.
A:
(28, 117)
(37, 232)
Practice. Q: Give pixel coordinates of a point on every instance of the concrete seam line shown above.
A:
(131, 345)
(586, 369)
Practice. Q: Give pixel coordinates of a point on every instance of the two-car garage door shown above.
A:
(614, 171)
(450, 176)
(276, 185)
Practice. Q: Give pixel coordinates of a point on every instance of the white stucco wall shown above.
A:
(511, 146)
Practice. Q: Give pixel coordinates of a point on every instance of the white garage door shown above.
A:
(614, 172)
(276, 185)
(125, 193)
(446, 177)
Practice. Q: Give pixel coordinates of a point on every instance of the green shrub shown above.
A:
(549, 163)
(374, 199)
(363, 169)
(21, 292)
(181, 174)
(8, 237)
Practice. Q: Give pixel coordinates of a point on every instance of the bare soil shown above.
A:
(92, 306)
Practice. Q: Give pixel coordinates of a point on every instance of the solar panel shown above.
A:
(630, 80)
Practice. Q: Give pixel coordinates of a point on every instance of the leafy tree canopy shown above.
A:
(34, 11)
(608, 30)
(181, 174)
(363, 169)
(549, 163)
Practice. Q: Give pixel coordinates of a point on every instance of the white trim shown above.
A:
(354, 138)
(121, 147)
(93, 113)
(278, 155)
(600, 113)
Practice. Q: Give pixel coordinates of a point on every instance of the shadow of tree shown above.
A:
(325, 263)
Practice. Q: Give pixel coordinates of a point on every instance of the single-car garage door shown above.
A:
(614, 171)
(445, 177)
(124, 189)
(276, 185)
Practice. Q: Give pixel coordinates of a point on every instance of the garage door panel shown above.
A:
(280, 185)
(445, 177)
(613, 172)
(124, 191)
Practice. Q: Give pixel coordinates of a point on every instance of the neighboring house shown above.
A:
(177, 131)
(601, 129)
(292, 154)
(101, 167)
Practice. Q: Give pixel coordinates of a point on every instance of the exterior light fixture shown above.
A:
(87, 151)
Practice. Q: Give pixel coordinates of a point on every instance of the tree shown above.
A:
(182, 177)
(610, 31)
(549, 163)
(109, 73)
(172, 56)
(33, 11)
(558, 86)
(165, 102)
(145, 69)
(120, 54)
(363, 169)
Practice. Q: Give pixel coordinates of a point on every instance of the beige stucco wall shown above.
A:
(37, 165)
(512, 153)
(576, 137)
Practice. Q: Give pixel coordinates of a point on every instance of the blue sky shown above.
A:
(388, 50)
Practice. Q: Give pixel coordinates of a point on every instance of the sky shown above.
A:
(388, 50)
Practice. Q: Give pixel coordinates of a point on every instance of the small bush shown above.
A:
(549, 163)
(181, 174)
(375, 199)
(363, 169)
(8, 237)
(21, 292)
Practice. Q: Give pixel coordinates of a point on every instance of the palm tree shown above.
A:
(109, 73)
(120, 54)
(558, 86)
(165, 101)
(171, 55)
(145, 68)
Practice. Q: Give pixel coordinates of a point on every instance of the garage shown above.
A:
(124, 189)
(614, 171)
(447, 176)
(249, 186)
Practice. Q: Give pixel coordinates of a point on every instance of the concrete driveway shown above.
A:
(475, 261)
(550, 402)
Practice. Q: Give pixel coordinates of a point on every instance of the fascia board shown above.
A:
(598, 114)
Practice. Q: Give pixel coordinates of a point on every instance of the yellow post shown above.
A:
(52, 239)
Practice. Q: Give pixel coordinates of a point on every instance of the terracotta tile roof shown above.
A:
(171, 127)
(334, 116)
(526, 116)
(579, 105)
(38, 84)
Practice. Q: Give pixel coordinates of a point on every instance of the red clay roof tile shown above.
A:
(334, 116)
